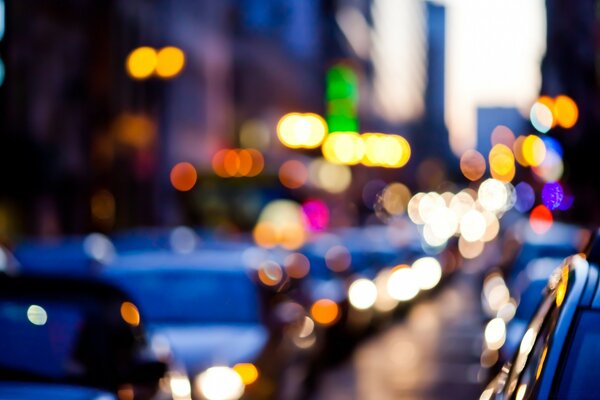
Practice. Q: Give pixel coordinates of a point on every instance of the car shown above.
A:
(37, 390)
(558, 353)
(73, 332)
(208, 317)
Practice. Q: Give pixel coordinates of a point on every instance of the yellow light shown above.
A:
(296, 130)
(344, 148)
(385, 150)
(265, 235)
(141, 62)
(333, 178)
(534, 150)
(247, 371)
(502, 163)
(395, 198)
(130, 313)
(561, 290)
(540, 366)
(518, 151)
(170, 62)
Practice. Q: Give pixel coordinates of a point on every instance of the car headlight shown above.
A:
(180, 386)
(220, 383)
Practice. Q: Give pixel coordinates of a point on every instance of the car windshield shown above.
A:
(191, 295)
(579, 372)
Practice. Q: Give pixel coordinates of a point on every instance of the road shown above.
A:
(431, 353)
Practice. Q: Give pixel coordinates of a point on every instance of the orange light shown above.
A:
(293, 174)
(566, 111)
(183, 176)
(270, 273)
(245, 165)
(130, 313)
(325, 311)
(231, 163)
(540, 219)
(247, 371)
(400, 266)
(258, 162)
(472, 165)
(293, 236)
(265, 235)
(218, 163)
(170, 62)
(141, 62)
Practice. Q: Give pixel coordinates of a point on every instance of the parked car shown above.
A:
(73, 332)
(558, 353)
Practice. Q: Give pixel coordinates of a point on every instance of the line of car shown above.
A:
(226, 319)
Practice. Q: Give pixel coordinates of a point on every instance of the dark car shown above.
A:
(74, 332)
(557, 356)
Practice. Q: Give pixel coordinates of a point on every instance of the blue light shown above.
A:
(1, 72)
(1, 19)
(525, 197)
(552, 195)
(553, 144)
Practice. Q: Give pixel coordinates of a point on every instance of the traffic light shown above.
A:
(341, 95)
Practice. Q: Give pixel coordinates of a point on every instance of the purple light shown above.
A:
(316, 214)
(552, 195)
(525, 197)
(567, 202)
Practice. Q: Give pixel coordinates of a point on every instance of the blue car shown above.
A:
(206, 316)
(73, 332)
(557, 356)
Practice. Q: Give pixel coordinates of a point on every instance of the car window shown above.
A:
(579, 372)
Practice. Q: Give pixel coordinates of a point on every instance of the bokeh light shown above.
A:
(533, 150)
(428, 272)
(470, 250)
(220, 383)
(130, 313)
(247, 371)
(325, 312)
(338, 258)
(37, 315)
(170, 62)
(228, 163)
(473, 226)
(385, 150)
(502, 163)
(281, 222)
(472, 165)
(541, 116)
(142, 62)
(403, 284)
(566, 111)
(316, 214)
(395, 198)
(293, 174)
(551, 169)
(297, 130)
(344, 148)
(495, 333)
(502, 135)
(492, 195)
(362, 294)
(297, 265)
(333, 178)
(552, 195)
(183, 176)
(540, 219)
(270, 273)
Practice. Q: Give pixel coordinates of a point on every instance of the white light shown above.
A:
(403, 284)
(37, 315)
(362, 294)
(428, 272)
(495, 333)
(99, 247)
(527, 342)
(181, 388)
(429, 205)
(220, 383)
(472, 226)
(384, 303)
(492, 195)
(444, 223)
(413, 209)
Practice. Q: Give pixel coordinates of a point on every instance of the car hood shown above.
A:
(30, 390)
(197, 347)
